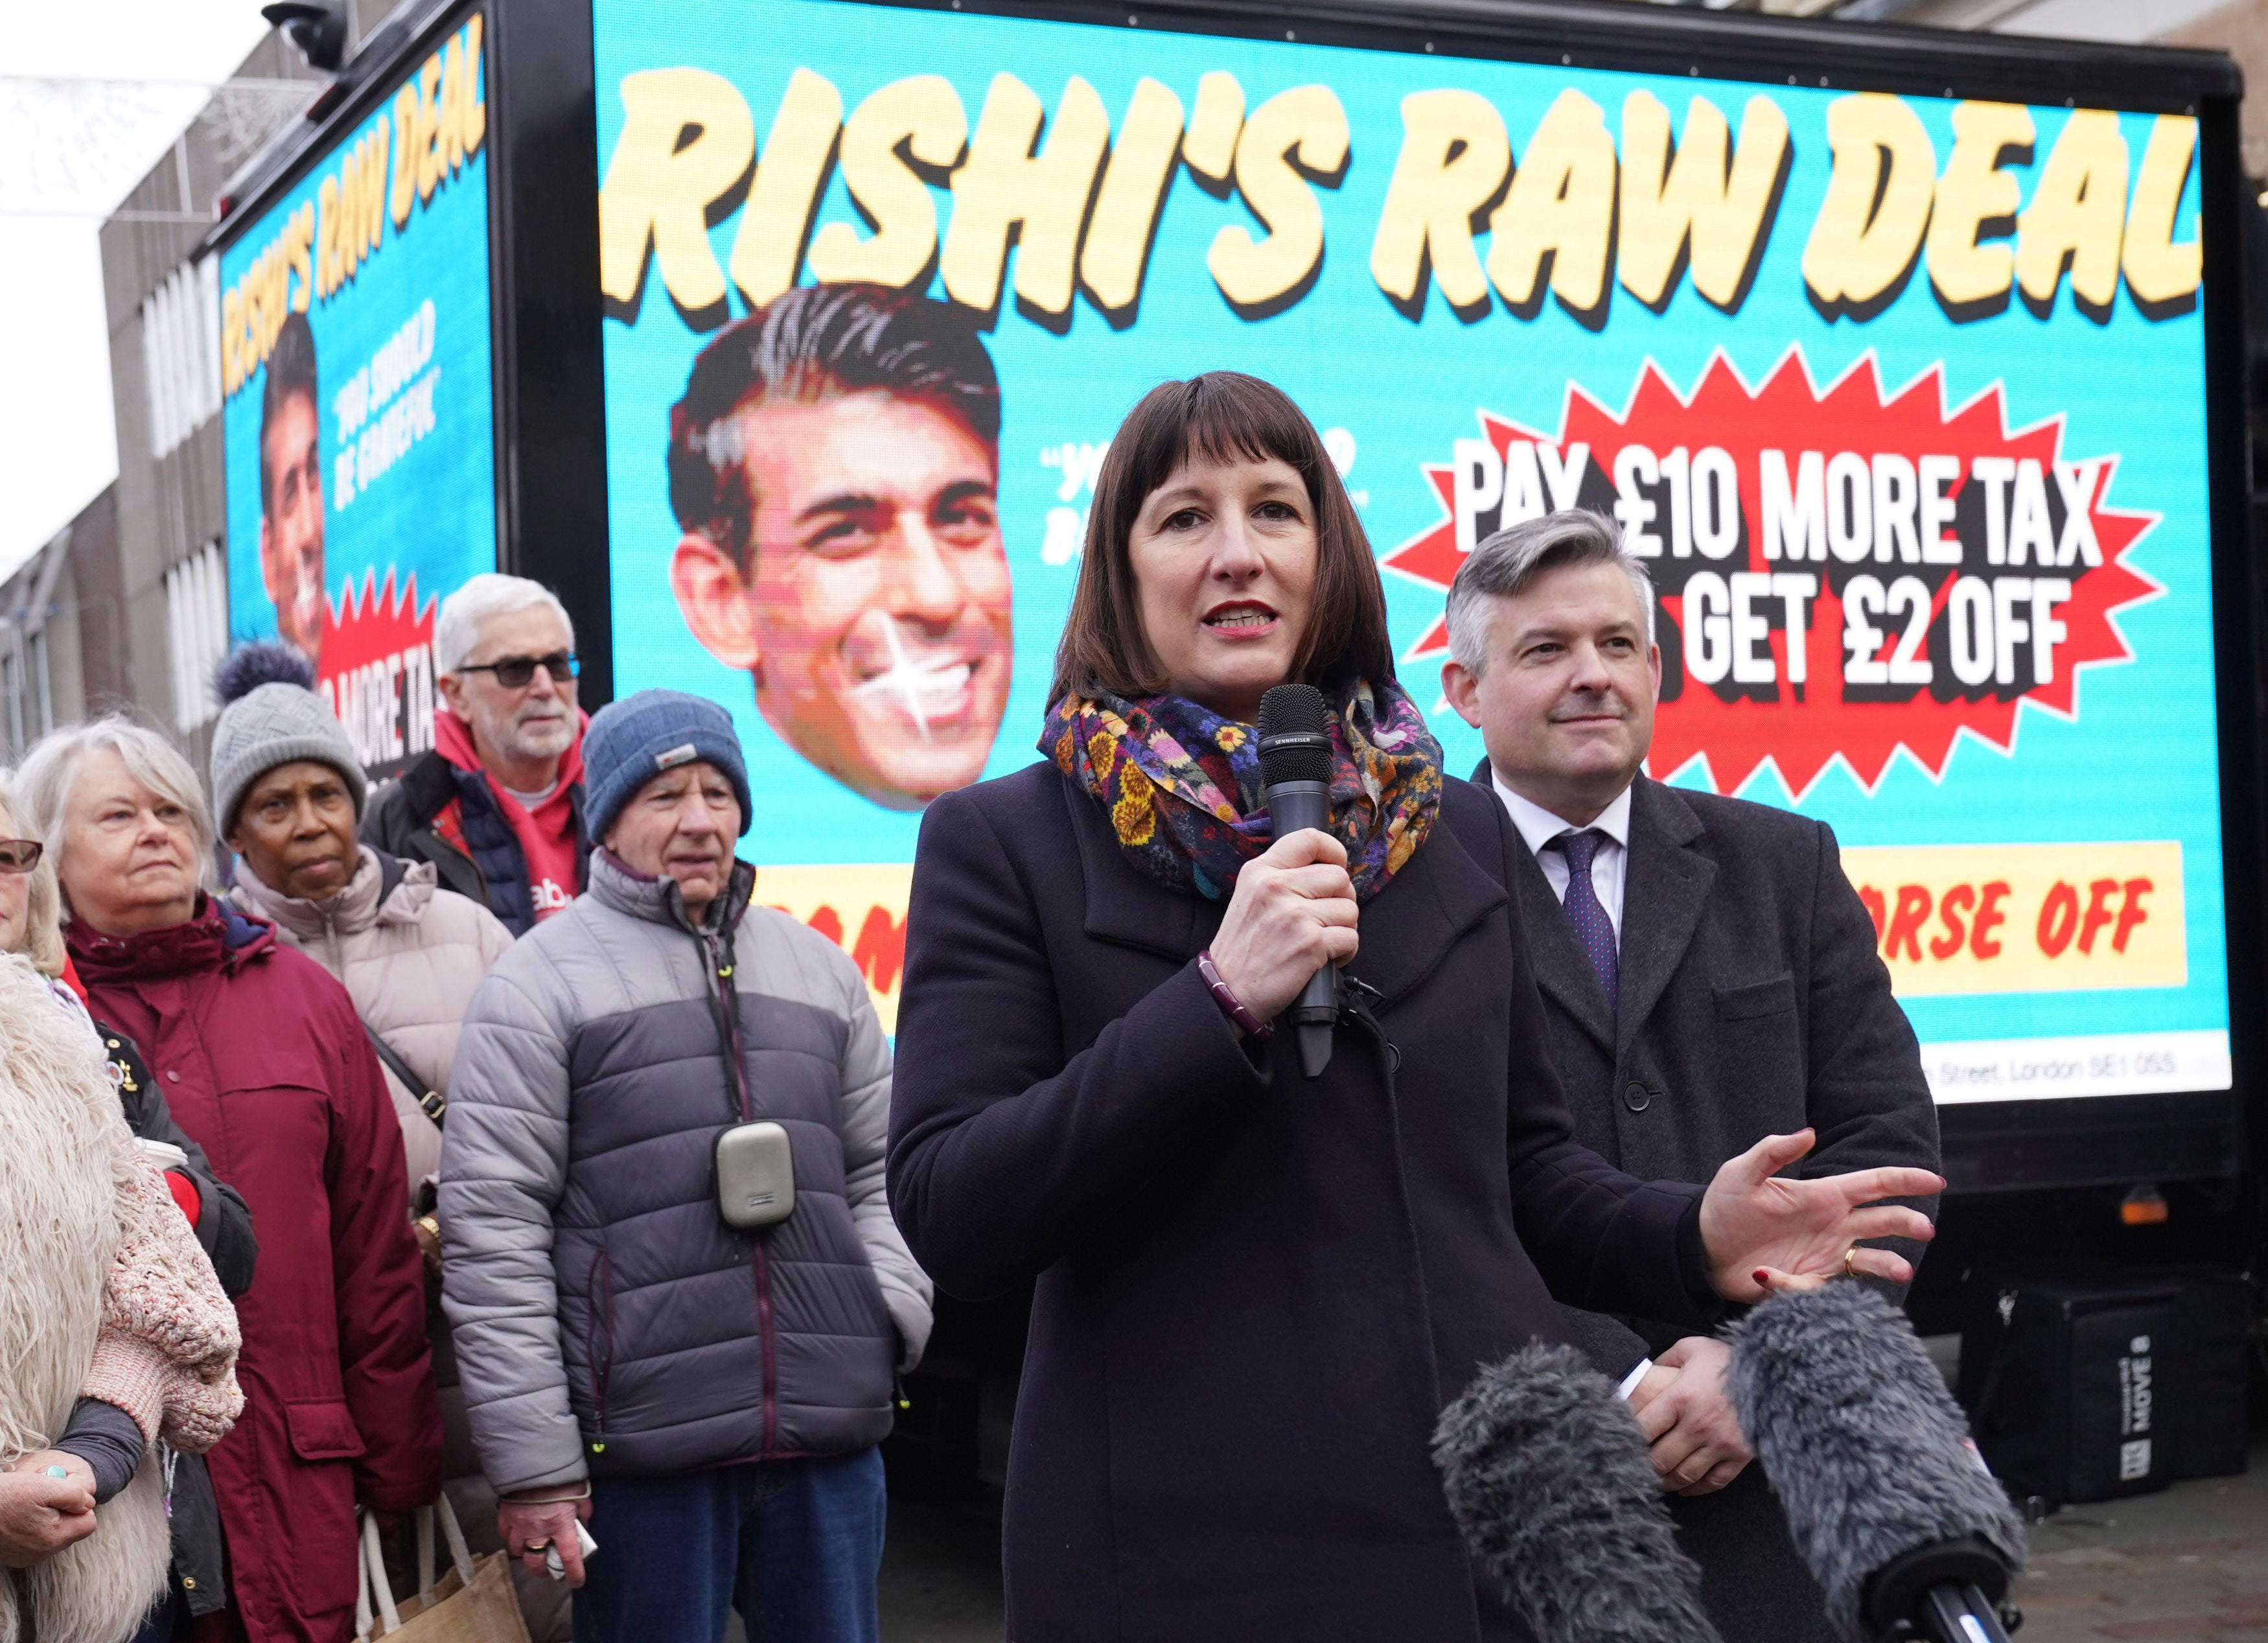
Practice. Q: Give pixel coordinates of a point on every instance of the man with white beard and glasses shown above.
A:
(497, 806)
(833, 467)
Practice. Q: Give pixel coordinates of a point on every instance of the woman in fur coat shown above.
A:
(30, 925)
(264, 1061)
(112, 1324)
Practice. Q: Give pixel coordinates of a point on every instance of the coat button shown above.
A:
(176, 1076)
(1637, 1097)
(189, 1582)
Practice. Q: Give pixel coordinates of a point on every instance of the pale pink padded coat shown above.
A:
(408, 954)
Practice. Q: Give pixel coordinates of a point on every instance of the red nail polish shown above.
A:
(1759, 1275)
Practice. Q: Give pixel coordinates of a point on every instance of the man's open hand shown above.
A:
(1758, 1227)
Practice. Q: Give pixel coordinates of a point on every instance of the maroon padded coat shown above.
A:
(264, 1061)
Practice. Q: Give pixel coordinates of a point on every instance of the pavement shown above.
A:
(941, 1570)
(2190, 1563)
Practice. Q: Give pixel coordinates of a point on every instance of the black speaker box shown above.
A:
(2090, 1388)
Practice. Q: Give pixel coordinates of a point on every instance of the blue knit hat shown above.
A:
(631, 742)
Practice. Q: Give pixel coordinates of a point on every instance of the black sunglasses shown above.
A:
(513, 672)
(19, 855)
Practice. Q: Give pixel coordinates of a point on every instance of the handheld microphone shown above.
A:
(1295, 775)
(1891, 1507)
(1547, 1475)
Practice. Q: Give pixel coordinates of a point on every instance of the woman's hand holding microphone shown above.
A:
(1293, 912)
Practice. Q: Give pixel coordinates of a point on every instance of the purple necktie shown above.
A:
(1593, 928)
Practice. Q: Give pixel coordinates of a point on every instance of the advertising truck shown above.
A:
(1911, 364)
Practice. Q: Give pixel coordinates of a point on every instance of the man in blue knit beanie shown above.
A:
(638, 739)
(679, 1294)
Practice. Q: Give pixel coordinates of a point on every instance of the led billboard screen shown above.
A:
(1903, 397)
(357, 417)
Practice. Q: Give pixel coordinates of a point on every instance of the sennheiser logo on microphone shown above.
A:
(2135, 1402)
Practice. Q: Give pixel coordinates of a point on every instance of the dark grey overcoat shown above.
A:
(1752, 1004)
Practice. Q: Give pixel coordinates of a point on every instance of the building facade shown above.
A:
(126, 608)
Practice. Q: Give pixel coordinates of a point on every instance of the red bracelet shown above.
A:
(1231, 1005)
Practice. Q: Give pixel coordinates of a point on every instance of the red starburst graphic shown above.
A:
(373, 622)
(377, 668)
(1955, 568)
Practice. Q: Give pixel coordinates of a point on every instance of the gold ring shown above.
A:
(1850, 1255)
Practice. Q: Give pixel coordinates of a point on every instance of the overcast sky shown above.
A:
(75, 148)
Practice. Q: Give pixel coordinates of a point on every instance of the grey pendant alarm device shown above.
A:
(756, 1175)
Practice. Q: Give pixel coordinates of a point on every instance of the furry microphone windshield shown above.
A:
(1546, 1473)
(1888, 1504)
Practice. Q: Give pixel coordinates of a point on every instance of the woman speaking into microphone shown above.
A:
(1256, 1290)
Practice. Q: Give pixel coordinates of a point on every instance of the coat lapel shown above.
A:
(1663, 893)
(1410, 927)
(1124, 904)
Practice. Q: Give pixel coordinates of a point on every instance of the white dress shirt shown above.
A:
(1609, 868)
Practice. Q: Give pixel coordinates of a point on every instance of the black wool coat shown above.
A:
(1256, 1292)
(1752, 1003)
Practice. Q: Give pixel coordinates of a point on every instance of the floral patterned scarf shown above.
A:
(1182, 787)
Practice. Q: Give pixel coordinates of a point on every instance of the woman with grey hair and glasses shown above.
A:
(264, 1062)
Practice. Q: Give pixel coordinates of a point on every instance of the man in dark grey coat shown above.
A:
(1709, 977)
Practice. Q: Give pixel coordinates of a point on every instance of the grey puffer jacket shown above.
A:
(607, 1319)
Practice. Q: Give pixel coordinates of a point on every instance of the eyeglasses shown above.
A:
(19, 855)
(514, 671)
